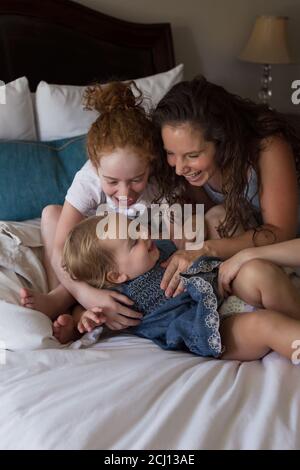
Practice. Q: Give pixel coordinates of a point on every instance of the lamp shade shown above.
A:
(268, 41)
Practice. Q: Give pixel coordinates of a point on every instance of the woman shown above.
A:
(221, 148)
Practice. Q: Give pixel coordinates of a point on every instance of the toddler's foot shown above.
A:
(37, 301)
(64, 329)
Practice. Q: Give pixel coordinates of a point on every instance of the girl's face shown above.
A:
(124, 175)
(190, 154)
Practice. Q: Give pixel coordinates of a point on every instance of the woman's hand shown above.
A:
(176, 264)
(229, 269)
(118, 316)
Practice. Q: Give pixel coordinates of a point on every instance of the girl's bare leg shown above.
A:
(250, 336)
(58, 299)
(52, 304)
(49, 220)
(263, 284)
(213, 218)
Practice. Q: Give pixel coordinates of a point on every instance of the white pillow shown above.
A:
(16, 111)
(156, 86)
(60, 113)
(25, 329)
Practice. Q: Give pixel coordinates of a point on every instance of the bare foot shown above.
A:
(64, 329)
(37, 301)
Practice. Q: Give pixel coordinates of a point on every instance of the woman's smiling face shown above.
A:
(189, 153)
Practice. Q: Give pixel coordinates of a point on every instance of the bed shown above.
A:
(123, 392)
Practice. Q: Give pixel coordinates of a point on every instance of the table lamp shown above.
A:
(267, 45)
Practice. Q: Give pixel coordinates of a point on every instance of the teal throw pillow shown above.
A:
(35, 174)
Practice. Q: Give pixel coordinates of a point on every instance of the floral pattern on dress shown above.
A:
(196, 275)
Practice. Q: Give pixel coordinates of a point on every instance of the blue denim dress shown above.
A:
(189, 321)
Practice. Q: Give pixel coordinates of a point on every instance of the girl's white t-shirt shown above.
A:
(86, 195)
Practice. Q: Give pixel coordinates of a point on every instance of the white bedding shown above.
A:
(127, 393)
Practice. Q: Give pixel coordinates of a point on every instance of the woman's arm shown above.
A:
(117, 314)
(284, 254)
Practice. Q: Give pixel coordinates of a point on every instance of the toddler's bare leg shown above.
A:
(250, 336)
(263, 284)
(65, 327)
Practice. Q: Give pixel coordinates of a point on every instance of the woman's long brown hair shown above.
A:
(237, 127)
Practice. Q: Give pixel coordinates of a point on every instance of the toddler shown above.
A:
(190, 321)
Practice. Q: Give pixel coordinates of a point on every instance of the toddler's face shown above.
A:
(124, 175)
(133, 256)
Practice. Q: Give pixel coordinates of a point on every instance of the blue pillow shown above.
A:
(35, 174)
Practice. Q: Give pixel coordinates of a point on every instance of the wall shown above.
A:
(209, 35)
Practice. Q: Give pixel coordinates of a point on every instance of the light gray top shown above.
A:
(218, 197)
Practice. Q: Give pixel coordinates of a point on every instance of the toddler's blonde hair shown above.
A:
(85, 258)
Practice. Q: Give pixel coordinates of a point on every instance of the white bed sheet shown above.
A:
(127, 393)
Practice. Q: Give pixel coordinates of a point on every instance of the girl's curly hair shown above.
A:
(122, 121)
(237, 127)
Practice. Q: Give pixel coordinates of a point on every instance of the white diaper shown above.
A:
(233, 305)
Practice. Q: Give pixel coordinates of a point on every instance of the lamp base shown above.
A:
(265, 92)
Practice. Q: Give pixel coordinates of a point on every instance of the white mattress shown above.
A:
(127, 393)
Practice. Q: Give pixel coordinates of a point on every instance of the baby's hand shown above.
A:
(90, 319)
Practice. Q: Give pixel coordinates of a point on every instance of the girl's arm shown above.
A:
(118, 315)
(279, 206)
(284, 253)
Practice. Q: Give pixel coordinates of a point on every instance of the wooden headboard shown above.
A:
(62, 42)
